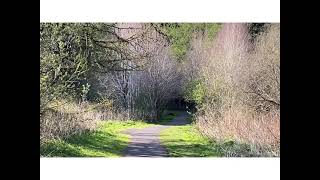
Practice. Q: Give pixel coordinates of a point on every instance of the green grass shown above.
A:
(109, 141)
(186, 141)
(166, 118)
(106, 141)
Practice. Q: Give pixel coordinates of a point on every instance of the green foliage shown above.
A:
(180, 38)
(212, 29)
(63, 61)
(70, 53)
(85, 89)
(164, 119)
(180, 35)
(255, 29)
(195, 92)
(186, 141)
(167, 119)
(106, 141)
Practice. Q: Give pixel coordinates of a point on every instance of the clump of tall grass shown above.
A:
(244, 126)
(63, 118)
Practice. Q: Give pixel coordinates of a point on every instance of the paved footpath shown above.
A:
(146, 143)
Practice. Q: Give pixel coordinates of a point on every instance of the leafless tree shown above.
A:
(159, 82)
(138, 87)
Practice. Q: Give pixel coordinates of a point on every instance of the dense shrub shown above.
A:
(241, 82)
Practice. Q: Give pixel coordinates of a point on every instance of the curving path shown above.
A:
(146, 143)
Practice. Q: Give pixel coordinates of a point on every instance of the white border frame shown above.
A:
(160, 11)
(160, 168)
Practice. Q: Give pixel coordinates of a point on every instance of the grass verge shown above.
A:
(186, 141)
(167, 117)
(106, 141)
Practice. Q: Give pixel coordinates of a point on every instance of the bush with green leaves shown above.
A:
(63, 61)
(72, 54)
(195, 92)
(181, 34)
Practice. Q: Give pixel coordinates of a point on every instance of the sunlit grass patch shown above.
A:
(186, 141)
(106, 141)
